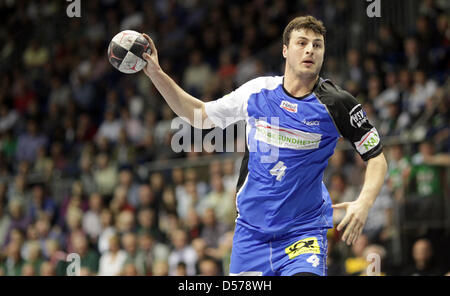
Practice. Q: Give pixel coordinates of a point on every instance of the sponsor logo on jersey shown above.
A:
(288, 106)
(286, 138)
(311, 123)
(369, 141)
(357, 116)
(304, 246)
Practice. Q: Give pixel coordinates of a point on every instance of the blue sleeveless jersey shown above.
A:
(288, 143)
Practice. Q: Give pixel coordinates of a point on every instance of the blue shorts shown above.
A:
(255, 253)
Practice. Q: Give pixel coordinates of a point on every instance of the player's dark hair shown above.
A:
(303, 22)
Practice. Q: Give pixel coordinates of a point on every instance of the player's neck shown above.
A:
(298, 87)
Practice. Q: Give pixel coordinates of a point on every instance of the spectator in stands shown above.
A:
(41, 203)
(147, 223)
(181, 269)
(146, 201)
(197, 74)
(188, 199)
(379, 222)
(220, 201)
(43, 165)
(423, 264)
(160, 268)
(130, 270)
(36, 55)
(342, 191)
(157, 183)
(163, 126)
(168, 203)
(132, 125)
(151, 251)
(177, 175)
(112, 262)
(126, 180)
(85, 174)
(18, 190)
(23, 94)
(29, 142)
(73, 221)
(411, 54)
(59, 92)
(56, 257)
(392, 126)
(107, 230)
(247, 67)
(354, 68)
(229, 175)
(19, 220)
(8, 117)
(399, 166)
(34, 258)
(200, 246)
(425, 186)
(208, 267)
(145, 149)
(45, 231)
(47, 269)
(89, 258)
(422, 89)
(391, 94)
(212, 228)
(337, 163)
(92, 224)
(105, 174)
(202, 189)
(182, 252)
(124, 152)
(110, 127)
(28, 270)
(125, 222)
(13, 263)
(193, 223)
(130, 245)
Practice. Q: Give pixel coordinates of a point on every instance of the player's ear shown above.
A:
(285, 50)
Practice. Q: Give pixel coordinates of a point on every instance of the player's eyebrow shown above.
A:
(307, 39)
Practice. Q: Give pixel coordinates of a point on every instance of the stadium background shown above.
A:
(85, 159)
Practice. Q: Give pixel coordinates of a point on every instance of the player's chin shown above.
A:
(308, 73)
(309, 67)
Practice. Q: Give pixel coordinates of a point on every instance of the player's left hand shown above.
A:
(353, 221)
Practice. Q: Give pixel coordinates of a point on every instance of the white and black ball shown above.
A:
(125, 51)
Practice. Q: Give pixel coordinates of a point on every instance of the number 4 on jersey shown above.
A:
(314, 260)
(278, 170)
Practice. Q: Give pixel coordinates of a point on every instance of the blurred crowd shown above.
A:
(69, 120)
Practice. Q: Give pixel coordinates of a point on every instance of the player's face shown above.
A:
(304, 55)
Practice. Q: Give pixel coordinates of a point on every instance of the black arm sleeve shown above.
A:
(351, 121)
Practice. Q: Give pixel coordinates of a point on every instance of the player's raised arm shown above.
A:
(182, 103)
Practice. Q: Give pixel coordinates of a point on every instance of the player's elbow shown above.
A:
(206, 122)
(198, 118)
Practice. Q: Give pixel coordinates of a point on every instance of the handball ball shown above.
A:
(125, 51)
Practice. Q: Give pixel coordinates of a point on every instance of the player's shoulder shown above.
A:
(330, 93)
(262, 82)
